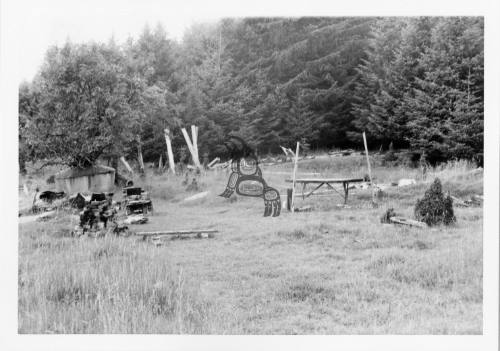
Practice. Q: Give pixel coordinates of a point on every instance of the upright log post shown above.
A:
(369, 167)
(194, 138)
(139, 154)
(295, 164)
(171, 162)
(194, 153)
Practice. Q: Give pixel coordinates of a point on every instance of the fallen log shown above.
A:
(158, 240)
(176, 232)
(408, 222)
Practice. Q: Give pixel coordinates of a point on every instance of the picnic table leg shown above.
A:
(319, 186)
(303, 191)
(346, 191)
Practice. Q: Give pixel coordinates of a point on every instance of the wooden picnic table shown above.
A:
(328, 182)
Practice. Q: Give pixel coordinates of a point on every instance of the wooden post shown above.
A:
(139, 154)
(127, 166)
(169, 150)
(196, 161)
(369, 168)
(289, 197)
(160, 162)
(296, 161)
(194, 138)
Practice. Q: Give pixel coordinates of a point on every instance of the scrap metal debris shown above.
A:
(47, 201)
(97, 213)
(137, 201)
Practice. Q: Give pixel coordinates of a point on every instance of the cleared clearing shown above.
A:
(330, 271)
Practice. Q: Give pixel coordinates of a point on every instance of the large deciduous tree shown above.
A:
(86, 102)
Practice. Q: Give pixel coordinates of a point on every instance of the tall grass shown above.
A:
(333, 270)
(112, 286)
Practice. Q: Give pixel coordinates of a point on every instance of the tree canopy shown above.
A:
(414, 82)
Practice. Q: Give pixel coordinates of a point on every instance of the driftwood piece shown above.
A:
(408, 222)
(214, 161)
(197, 196)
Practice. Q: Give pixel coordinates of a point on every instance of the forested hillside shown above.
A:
(416, 82)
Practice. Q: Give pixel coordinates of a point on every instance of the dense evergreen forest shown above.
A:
(414, 82)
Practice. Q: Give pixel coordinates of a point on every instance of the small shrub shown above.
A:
(51, 179)
(387, 216)
(434, 207)
(296, 234)
(389, 157)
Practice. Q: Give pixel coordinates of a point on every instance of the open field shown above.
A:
(334, 270)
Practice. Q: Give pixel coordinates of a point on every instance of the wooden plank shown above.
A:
(305, 173)
(176, 232)
(326, 180)
(294, 174)
(170, 154)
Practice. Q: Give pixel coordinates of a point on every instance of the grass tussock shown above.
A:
(307, 233)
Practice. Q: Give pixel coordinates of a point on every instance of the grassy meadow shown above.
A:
(334, 270)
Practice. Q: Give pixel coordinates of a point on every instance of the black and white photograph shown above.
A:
(191, 169)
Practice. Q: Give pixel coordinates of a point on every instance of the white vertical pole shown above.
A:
(296, 161)
(171, 162)
(194, 134)
(369, 168)
(190, 147)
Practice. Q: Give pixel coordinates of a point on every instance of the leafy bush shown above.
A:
(434, 207)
